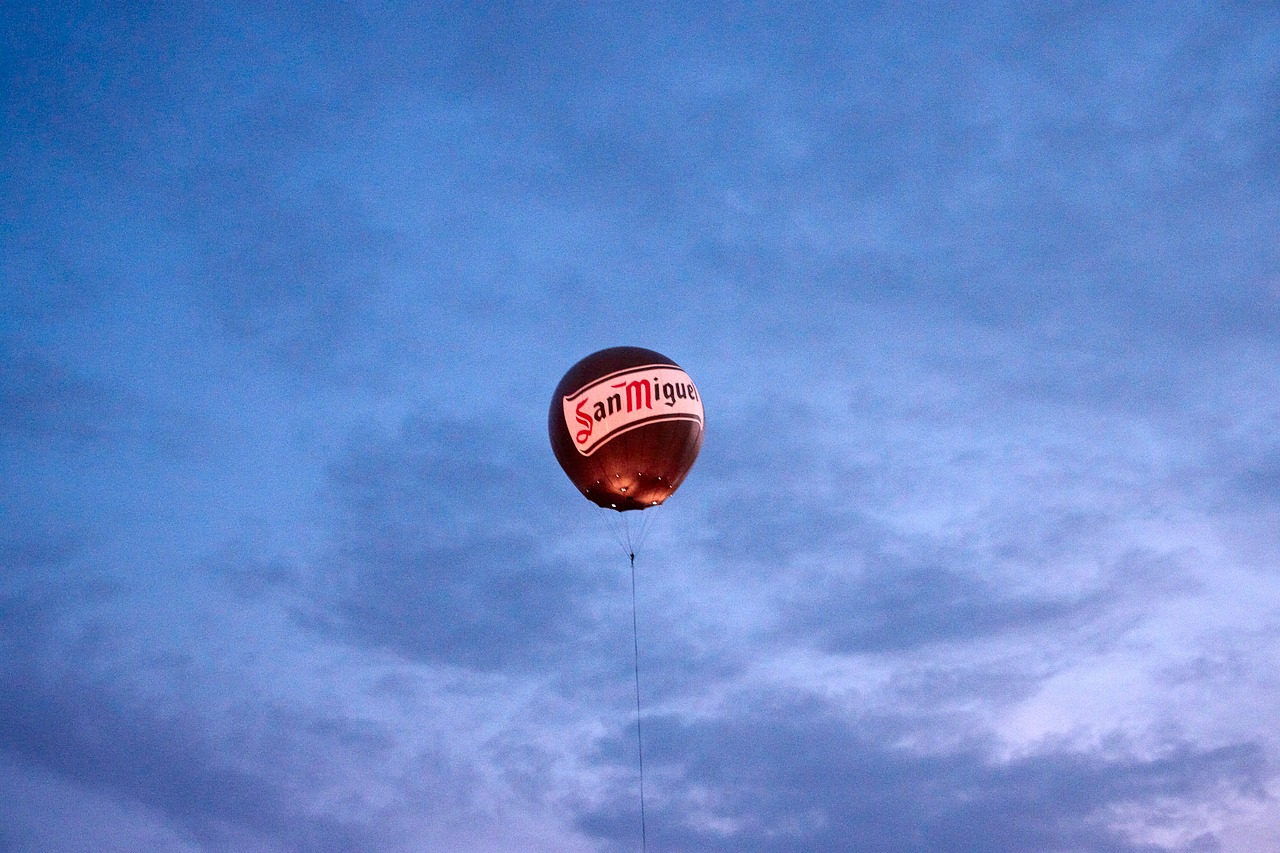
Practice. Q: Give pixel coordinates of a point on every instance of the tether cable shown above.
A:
(635, 641)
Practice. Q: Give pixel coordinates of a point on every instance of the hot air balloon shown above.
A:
(626, 426)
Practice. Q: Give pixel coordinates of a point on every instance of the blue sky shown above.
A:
(981, 550)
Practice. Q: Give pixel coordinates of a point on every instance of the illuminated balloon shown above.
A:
(626, 425)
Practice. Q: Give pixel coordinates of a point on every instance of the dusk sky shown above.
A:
(982, 551)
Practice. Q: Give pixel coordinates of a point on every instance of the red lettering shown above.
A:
(633, 393)
(584, 419)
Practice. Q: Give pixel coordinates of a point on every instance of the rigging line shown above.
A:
(646, 524)
(635, 640)
(615, 526)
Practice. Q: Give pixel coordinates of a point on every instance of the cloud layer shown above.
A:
(979, 554)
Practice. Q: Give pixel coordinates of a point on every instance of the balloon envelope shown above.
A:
(626, 426)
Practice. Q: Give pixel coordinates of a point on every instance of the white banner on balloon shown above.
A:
(629, 399)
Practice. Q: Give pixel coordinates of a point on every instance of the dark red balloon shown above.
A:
(626, 425)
